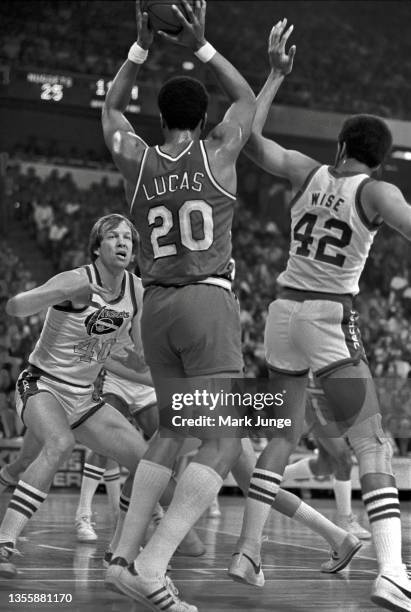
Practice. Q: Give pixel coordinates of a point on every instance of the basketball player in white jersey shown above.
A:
(313, 326)
(89, 310)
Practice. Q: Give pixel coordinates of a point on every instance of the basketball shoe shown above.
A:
(85, 529)
(392, 591)
(244, 569)
(349, 523)
(7, 568)
(340, 558)
(157, 594)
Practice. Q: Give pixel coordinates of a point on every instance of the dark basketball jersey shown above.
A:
(183, 217)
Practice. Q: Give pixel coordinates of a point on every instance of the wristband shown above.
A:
(137, 54)
(205, 53)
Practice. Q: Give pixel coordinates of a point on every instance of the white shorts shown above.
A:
(77, 402)
(137, 397)
(306, 333)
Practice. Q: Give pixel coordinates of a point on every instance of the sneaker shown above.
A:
(7, 568)
(191, 546)
(349, 523)
(6, 480)
(108, 555)
(85, 529)
(156, 594)
(392, 592)
(214, 509)
(244, 569)
(341, 558)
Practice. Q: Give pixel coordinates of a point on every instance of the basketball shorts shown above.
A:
(193, 330)
(135, 396)
(318, 413)
(307, 333)
(77, 402)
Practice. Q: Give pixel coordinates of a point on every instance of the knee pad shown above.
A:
(371, 446)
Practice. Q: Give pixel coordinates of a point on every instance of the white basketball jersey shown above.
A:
(74, 343)
(330, 234)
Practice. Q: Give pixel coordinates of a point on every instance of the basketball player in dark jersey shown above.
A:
(182, 197)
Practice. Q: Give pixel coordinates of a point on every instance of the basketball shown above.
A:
(161, 15)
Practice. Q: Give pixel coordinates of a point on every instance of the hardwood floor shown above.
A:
(53, 563)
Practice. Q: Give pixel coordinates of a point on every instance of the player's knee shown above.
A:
(371, 447)
(59, 446)
(342, 460)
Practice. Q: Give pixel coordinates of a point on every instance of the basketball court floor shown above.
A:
(66, 575)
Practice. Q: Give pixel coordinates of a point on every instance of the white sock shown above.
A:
(342, 493)
(195, 490)
(91, 479)
(150, 481)
(299, 470)
(321, 525)
(23, 504)
(383, 510)
(263, 488)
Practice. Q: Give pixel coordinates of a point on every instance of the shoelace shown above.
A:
(87, 520)
(171, 586)
(12, 551)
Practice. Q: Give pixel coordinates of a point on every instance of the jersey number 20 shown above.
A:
(186, 228)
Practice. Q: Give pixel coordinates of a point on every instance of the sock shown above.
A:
(150, 481)
(383, 510)
(23, 504)
(321, 525)
(299, 470)
(113, 486)
(263, 488)
(124, 504)
(342, 492)
(195, 490)
(6, 480)
(91, 478)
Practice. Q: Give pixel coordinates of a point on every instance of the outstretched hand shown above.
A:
(192, 34)
(280, 60)
(145, 34)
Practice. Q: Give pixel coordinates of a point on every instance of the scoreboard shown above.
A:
(55, 88)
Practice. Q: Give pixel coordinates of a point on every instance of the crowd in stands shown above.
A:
(59, 215)
(347, 52)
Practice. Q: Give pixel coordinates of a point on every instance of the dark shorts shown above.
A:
(193, 330)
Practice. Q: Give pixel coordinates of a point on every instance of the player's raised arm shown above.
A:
(241, 112)
(385, 201)
(119, 134)
(264, 152)
(71, 286)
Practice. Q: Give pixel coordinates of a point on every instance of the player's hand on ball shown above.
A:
(192, 34)
(145, 34)
(281, 62)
